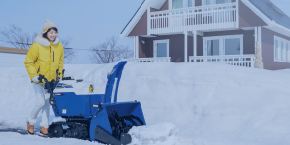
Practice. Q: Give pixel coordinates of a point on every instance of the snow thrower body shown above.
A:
(97, 117)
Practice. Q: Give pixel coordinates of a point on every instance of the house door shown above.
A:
(161, 48)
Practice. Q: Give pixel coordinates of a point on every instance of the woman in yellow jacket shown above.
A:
(44, 57)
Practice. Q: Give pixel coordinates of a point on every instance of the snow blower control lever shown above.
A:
(65, 78)
(50, 86)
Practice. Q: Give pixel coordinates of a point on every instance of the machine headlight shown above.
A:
(91, 88)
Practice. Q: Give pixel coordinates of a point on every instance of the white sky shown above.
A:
(87, 22)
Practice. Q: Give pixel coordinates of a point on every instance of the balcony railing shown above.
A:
(212, 17)
(156, 59)
(239, 60)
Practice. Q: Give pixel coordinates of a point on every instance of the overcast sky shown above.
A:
(87, 22)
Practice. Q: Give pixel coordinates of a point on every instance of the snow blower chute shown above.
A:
(97, 117)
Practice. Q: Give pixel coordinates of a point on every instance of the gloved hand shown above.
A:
(35, 79)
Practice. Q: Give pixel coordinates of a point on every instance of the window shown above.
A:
(276, 53)
(208, 2)
(281, 50)
(232, 46)
(223, 45)
(190, 3)
(287, 52)
(213, 47)
(178, 4)
(222, 1)
(212, 2)
(161, 48)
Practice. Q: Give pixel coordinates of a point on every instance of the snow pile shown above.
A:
(163, 134)
(158, 134)
(9, 138)
(183, 103)
(213, 103)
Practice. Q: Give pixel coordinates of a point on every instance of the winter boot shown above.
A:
(30, 128)
(43, 132)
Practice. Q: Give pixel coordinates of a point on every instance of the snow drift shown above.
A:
(183, 103)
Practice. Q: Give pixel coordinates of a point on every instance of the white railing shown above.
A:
(212, 17)
(239, 60)
(157, 59)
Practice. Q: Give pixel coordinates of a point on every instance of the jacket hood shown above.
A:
(43, 41)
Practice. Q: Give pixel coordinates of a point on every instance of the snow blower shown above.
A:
(96, 117)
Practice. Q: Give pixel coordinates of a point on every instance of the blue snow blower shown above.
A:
(97, 117)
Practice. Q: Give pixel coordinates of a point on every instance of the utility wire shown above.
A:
(15, 42)
(31, 44)
(63, 48)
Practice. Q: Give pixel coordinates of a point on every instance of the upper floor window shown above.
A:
(281, 50)
(177, 4)
(212, 2)
(190, 3)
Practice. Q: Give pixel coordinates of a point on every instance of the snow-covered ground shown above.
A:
(183, 103)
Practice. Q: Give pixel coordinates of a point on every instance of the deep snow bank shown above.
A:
(183, 103)
(217, 104)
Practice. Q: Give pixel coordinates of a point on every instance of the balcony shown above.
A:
(202, 18)
(238, 60)
(155, 59)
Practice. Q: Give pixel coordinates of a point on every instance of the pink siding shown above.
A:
(268, 50)
(141, 27)
(165, 6)
(247, 18)
(176, 47)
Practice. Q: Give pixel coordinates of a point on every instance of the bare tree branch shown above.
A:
(17, 38)
(68, 52)
(110, 51)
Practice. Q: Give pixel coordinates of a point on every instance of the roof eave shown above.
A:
(284, 30)
(266, 19)
(157, 4)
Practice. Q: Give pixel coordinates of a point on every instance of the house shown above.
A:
(13, 50)
(237, 32)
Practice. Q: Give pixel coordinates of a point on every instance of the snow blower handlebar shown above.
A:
(65, 78)
(50, 86)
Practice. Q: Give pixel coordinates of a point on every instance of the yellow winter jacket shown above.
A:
(44, 58)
